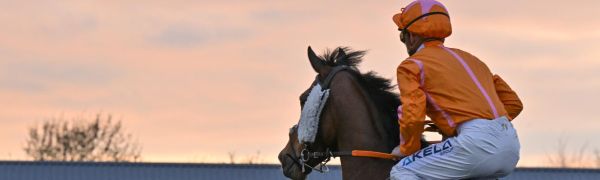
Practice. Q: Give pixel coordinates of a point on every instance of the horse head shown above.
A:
(294, 158)
(343, 110)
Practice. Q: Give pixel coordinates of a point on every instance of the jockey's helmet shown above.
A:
(426, 18)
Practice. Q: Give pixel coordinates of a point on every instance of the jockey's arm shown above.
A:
(509, 98)
(412, 112)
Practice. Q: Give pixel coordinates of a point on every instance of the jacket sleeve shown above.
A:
(412, 114)
(509, 98)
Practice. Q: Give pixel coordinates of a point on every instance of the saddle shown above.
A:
(430, 127)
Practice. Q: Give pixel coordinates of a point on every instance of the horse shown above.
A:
(360, 114)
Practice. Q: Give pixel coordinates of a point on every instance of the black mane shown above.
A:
(352, 59)
(378, 87)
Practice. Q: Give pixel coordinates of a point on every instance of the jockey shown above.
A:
(469, 104)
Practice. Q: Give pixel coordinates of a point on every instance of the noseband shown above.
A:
(306, 155)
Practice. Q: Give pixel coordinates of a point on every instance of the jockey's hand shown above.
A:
(396, 152)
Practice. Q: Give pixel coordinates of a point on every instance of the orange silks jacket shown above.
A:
(451, 87)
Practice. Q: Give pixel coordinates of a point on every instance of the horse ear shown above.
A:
(316, 62)
(341, 55)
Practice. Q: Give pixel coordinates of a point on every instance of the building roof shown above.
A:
(29, 170)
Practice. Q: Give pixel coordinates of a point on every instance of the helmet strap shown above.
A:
(421, 17)
(405, 30)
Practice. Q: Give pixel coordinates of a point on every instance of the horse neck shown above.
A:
(364, 135)
(360, 127)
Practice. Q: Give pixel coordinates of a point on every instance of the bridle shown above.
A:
(306, 154)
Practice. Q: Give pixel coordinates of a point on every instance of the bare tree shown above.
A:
(560, 159)
(253, 159)
(232, 157)
(248, 159)
(101, 139)
(570, 158)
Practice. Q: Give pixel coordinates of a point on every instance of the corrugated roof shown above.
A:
(554, 173)
(28, 170)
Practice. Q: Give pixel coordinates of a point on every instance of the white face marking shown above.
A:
(309, 119)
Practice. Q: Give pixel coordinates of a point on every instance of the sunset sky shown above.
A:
(195, 80)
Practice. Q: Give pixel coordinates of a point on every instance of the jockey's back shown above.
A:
(455, 86)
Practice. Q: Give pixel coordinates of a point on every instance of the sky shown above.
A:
(194, 81)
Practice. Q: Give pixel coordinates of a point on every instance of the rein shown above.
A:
(354, 153)
(306, 155)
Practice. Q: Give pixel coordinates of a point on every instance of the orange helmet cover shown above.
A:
(432, 26)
